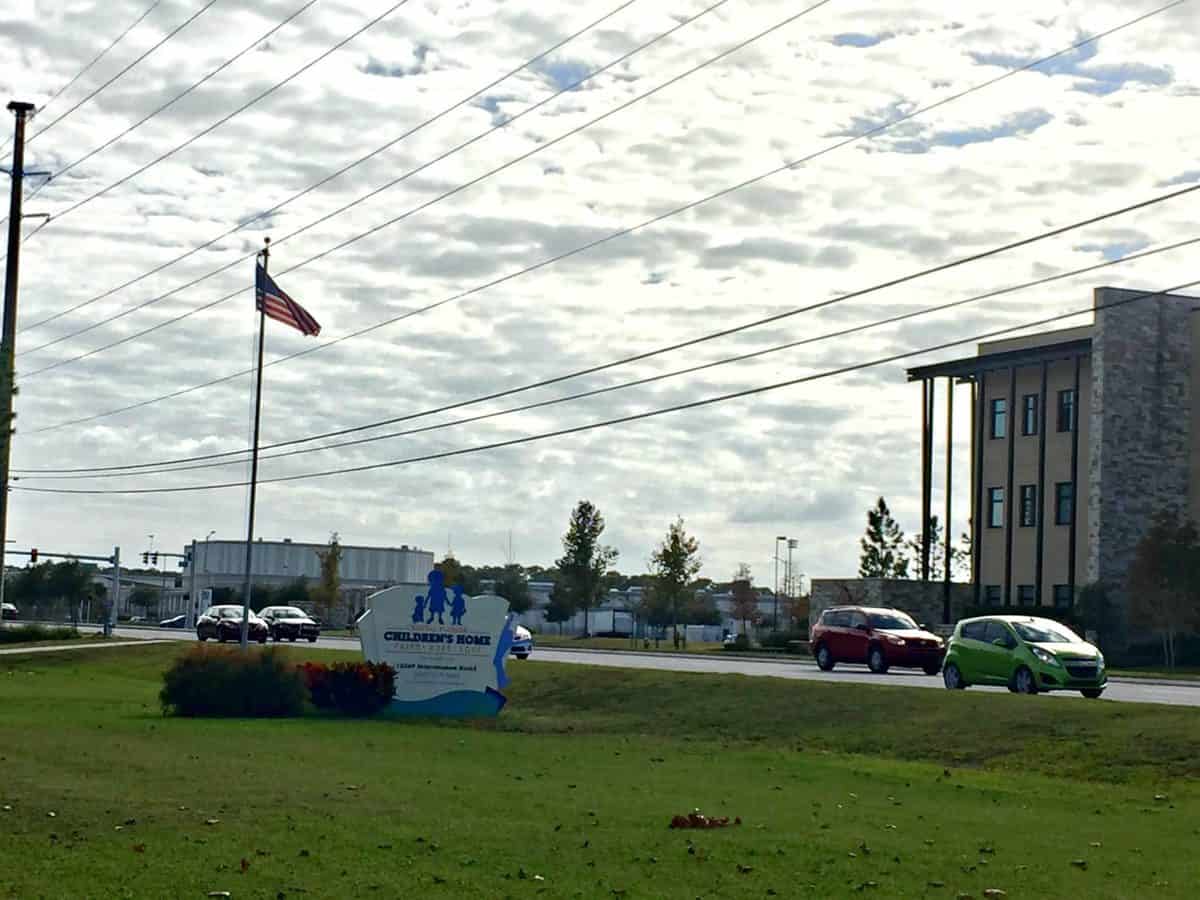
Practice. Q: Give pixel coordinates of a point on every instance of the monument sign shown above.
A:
(448, 649)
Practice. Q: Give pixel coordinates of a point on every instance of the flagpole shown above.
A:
(262, 330)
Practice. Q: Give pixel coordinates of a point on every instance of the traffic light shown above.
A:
(154, 557)
(146, 559)
(33, 555)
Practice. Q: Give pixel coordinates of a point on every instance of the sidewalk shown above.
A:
(82, 645)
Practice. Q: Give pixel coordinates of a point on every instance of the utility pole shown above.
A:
(8, 341)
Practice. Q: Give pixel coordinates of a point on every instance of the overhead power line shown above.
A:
(236, 457)
(95, 59)
(626, 419)
(870, 132)
(312, 187)
(221, 121)
(170, 34)
(161, 109)
(326, 217)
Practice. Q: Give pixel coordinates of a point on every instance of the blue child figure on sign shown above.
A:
(458, 607)
(436, 601)
(418, 615)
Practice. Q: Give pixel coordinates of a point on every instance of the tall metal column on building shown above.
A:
(948, 556)
(927, 399)
(1040, 508)
(977, 525)
(9, 338)
(1008, 489)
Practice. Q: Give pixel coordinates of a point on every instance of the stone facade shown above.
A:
(920, 599)
(1143, 409)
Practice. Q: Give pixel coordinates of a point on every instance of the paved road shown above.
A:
(1124, 690)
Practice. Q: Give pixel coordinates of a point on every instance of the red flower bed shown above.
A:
(356, 689)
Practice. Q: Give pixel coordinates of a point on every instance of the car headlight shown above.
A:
(1100, 660)
(1045, 656)
(892, 639)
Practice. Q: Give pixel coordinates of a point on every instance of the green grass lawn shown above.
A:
(842, 789)
(609, 643)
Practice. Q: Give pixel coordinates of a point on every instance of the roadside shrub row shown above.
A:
(23, 634)
(218, 681)
(352, 688)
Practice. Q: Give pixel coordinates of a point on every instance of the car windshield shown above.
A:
(290, 613)
(231, 612)
(890, 620)
(1046, 633)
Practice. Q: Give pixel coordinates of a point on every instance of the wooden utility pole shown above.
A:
(8, 341)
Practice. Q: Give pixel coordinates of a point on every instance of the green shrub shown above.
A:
(779, 640)
(352, 688)
(22, 634)
(216, 681)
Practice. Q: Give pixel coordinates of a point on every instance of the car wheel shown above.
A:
(312, 640)
(202, 637)
(292, 639)
(1023, 681)
(521, 655)
(824, 659)
(1092, 693)
(876, 661)
(952, 678)
(263, 639)
(932, 670)
(220, 637)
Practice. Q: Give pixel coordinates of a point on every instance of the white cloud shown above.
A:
(1032, 152)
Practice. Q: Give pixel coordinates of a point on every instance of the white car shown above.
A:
(8, 611)
(522, 644)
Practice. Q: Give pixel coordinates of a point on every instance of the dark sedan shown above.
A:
(224, 623)
(290, 623)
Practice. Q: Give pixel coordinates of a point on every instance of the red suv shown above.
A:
(879, 637)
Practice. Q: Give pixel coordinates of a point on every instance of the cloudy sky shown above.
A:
(1101, 128)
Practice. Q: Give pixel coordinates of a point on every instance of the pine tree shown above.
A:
(585, 560)
(883, 550)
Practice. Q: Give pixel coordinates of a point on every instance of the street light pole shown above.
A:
(791, 545)
(775, 554)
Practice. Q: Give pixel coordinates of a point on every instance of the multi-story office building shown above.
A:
(1079, 438)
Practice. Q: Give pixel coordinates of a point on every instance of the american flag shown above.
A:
(272, 301)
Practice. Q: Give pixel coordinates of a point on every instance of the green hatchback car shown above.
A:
(1024, 653)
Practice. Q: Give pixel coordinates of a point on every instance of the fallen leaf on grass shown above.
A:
(212, 821)
(995, 892)
(745, 870)
(219, 894)
(245, 864)
(1079, 863)
(139, 848)
(697, 820)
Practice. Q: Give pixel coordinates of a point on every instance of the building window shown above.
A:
(1029, 414)
(1062, 596)
(1064, 503)
(991, 595)
(1027, 595)
(1066, 410)
(1028, 505)
(995, 507)
(999, 418)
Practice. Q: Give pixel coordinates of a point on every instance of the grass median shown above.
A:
(841, 788)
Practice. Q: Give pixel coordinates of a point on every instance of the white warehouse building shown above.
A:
(362, 570)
